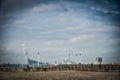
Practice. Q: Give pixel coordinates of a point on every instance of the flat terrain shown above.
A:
(60, 75)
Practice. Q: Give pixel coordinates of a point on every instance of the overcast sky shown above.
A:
(55, 28)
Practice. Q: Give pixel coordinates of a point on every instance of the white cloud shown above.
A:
(54, 29)
(44, 7)
(81, 38)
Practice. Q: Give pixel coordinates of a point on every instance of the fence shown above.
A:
(65, 67)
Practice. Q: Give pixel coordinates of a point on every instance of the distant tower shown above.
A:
(38, 59)
(98, 60)
(69, 56)
(25, 51)
(26, 55)
(78, 57)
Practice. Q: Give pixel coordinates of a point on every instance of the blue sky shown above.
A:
(57, 28)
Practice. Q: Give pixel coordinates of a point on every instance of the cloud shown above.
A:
(81, 38)
(106, 10)
(19, 22)
(51, 27)
(43, 7)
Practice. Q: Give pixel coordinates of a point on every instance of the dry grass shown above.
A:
(60, 75)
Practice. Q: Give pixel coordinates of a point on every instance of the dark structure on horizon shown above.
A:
(35, 63)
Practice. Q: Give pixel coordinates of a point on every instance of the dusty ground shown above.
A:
(60, 75)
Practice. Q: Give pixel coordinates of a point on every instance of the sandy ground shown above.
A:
(60, 75)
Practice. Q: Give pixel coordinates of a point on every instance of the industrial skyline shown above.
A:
(55, 28)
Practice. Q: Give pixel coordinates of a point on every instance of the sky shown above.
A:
(57, 28)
